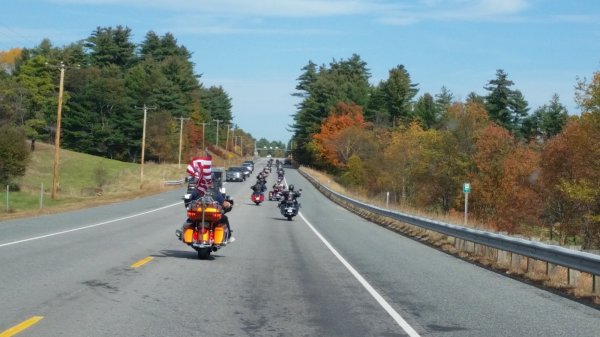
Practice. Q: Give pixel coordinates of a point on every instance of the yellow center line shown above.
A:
(20, 327)
(139, 263)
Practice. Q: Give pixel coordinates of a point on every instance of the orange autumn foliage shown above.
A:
(505, 185)
(343, 116)
(8, 59)
(519, 200)
(571, 179)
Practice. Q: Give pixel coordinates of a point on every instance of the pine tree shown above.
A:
(399, 92)
(109, 45)
(426, 112)
(497, 102)
(507, 107)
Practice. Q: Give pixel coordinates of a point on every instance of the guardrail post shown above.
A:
(595, 285)
(515, 261)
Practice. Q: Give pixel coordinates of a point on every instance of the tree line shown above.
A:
(529, 171)
(108, 80)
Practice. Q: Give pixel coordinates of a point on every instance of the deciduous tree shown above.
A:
(14, 153)
(333, 147)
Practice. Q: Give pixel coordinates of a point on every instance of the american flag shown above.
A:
(200, 168)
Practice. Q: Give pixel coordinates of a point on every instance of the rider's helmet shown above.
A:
(291, 188)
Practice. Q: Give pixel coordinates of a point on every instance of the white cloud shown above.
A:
(385, 11)
(203, 25)
(267, 8)
(458, 10)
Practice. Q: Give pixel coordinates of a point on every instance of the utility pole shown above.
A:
(203, 125)
(62, 68)
(181, 119)
(233, 137)
(145, 108)
(217, 140)
(227, 139)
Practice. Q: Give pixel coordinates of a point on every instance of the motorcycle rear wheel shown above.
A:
(203, 253)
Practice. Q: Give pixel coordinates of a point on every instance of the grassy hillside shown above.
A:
(84, 180)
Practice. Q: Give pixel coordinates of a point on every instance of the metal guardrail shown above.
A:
(569, 258)
(174, 182)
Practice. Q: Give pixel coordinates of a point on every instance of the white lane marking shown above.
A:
(89, 226)
(386, 306)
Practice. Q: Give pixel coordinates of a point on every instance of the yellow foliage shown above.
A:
(8, 59)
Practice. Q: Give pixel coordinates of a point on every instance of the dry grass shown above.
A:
(84, 181)
(452, 217)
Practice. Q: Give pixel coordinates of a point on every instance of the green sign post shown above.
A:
(466, 187)
(466, 190)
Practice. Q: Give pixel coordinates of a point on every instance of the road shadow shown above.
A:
(283, 219)
(185, 254)
(181, 254)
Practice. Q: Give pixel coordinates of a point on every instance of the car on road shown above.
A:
(235, 173)
(247, 169)
(249, 163)
(218, 173)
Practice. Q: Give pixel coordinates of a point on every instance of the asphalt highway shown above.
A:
(119, 270)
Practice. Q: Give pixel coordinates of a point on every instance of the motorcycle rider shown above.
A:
(295, 195)
(259, 187)
(279, 186)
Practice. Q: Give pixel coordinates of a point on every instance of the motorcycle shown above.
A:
(275, 195)
(257, 198)
(289, 207)
(203, 231)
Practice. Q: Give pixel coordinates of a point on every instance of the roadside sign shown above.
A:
(466, 187)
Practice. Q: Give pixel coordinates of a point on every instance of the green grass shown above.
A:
(84, 180)
(77, 171)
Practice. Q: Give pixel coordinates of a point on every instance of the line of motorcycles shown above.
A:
(288, 203)
(206, 229)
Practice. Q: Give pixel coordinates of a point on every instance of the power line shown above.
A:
(14, 33)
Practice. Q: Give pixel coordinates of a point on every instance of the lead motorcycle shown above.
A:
(204, 231)
(289, 207)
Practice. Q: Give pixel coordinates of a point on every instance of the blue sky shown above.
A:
(255, 49)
